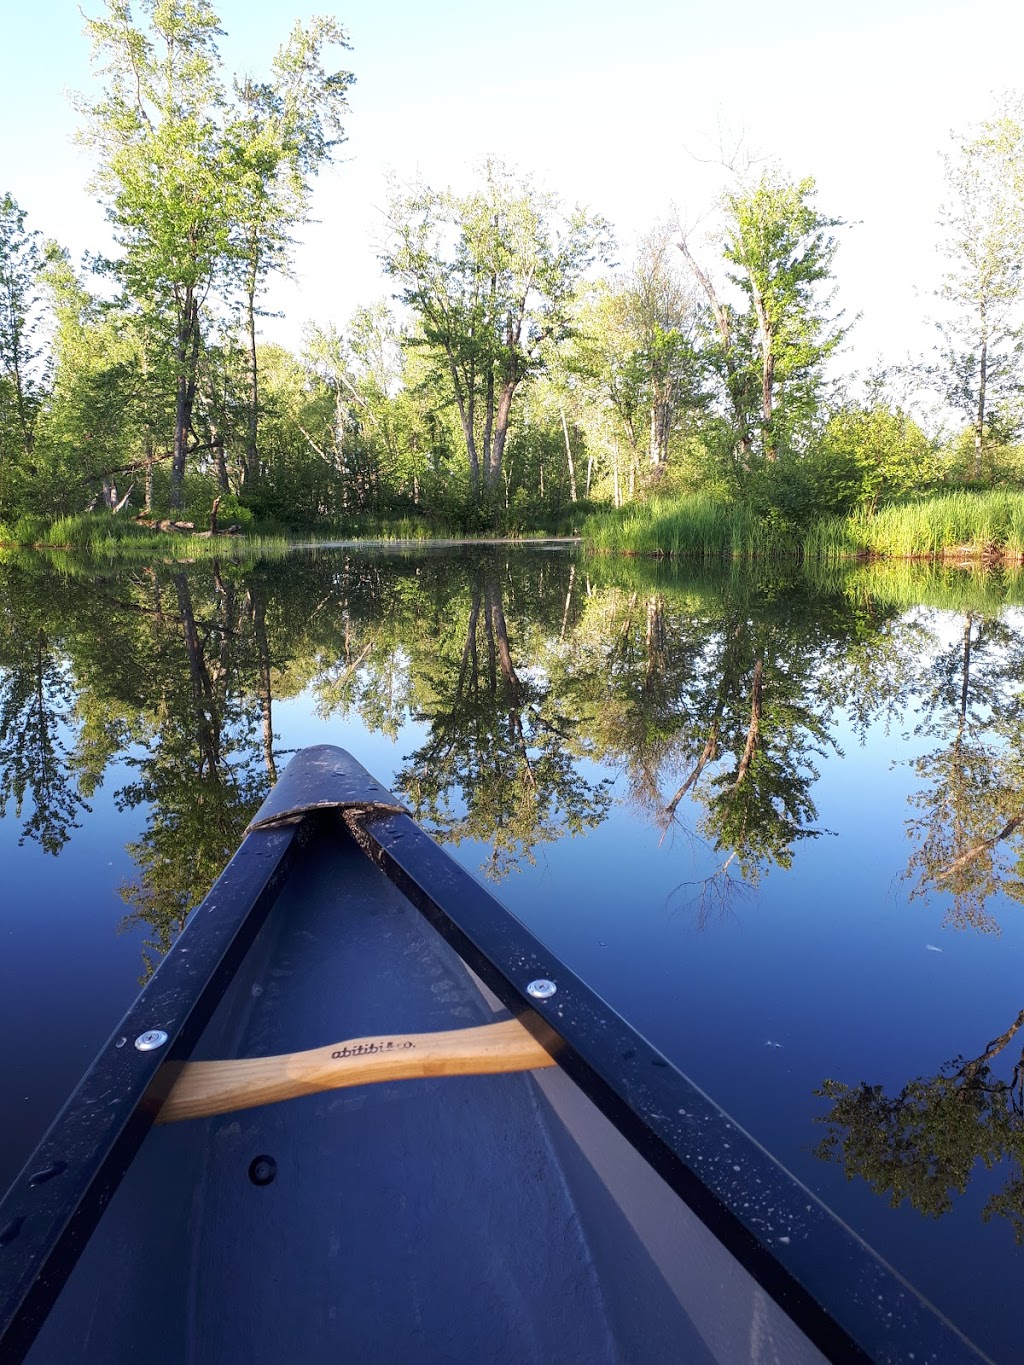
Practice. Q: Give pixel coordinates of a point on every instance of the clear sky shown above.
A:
(611, 105)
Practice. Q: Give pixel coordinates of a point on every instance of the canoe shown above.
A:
(361, 1113)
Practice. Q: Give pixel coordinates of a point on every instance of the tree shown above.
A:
(983, 222)
(110, 395)
(633, 364)
(660, 312)
(23, 259)
(202, 195)
(277, 140)
(162, 175)
(770, 353)
(490, 275)
(876, 452)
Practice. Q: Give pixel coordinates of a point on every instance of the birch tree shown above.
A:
(490, 276)
(769, 350)
(23, 258)
(983, 226)
(278, 138)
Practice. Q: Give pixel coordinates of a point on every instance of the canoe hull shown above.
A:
(603, 1210)
(447, 1219)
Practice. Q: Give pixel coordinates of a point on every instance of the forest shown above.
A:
(526, 375)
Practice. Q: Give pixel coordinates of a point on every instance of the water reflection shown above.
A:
(925, 1144)
(971, 795)
(501, 761)
(529, 681)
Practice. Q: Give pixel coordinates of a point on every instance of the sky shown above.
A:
(620, 107)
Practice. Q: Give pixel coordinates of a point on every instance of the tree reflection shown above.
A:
(923, 1145)
(500, 764)
(715, 712)
(713, 698)
(200, 779)
(38, 725)
(971, 797)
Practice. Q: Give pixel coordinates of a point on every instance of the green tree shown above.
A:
(276, 141)
(111, 397)
(490, 276)
(633, 364)
(874, 453)
(23, 258)
(983, 224)
(770, 352)
(163, 175)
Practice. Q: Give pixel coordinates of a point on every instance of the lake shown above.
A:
(774, 816)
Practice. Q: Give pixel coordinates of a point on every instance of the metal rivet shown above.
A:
(541, 989)
(152, 1038)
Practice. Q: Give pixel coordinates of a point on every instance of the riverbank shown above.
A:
(956, 525)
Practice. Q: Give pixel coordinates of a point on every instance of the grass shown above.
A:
(947, 524)
(956, 524)
(698, 527)
(102, 535)
(960, 525)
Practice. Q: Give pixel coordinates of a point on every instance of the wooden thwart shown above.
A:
(205, 1088)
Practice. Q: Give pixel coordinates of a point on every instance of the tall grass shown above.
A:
(965, 524)
(946, 524)
(698, 526)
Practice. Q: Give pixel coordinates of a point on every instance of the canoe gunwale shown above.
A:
(96, 1135)
(847, 1301)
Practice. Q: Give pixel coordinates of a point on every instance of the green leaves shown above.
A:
(983, 226)
(769, 355)
(202, 192)
(490, 276)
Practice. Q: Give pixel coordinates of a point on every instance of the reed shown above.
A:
(698, 526)
(955, 524)
(960, 523)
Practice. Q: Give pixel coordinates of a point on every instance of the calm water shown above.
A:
(777, 823)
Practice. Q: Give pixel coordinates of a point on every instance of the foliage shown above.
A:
(924, 1144)
(875, 454)
(983, 222)
(490, 276)
(768, 355)
(23, 367)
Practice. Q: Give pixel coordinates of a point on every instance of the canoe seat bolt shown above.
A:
(151, 1039)
(541, 989)
(262, 1170)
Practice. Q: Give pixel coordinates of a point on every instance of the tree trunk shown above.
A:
(204, 708)
(733, 379)
(252, 416)
(754, 728)
(979, 423)
(767, 375)
(568, 456)
(187, 355)
(265, 683)
(661, 423)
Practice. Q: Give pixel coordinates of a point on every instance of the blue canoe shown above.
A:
(599, 1209)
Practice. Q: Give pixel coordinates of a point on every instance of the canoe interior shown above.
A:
(492, 1218)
